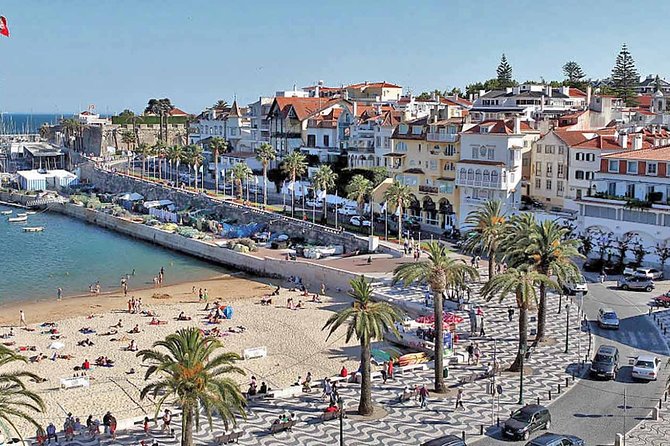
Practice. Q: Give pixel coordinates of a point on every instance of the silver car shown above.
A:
(635, 283)
(607, 318)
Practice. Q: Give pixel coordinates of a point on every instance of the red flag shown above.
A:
(3, 26)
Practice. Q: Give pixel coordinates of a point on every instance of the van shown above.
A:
(605, 363)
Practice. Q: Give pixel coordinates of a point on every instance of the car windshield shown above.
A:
(607, 359)
(609, 316)
(645, 364)
(521, 416)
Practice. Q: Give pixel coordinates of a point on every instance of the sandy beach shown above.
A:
(294, 340)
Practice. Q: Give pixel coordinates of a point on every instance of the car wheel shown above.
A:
(624, 287)
(526, 435)
(547, 425)
(648, 289)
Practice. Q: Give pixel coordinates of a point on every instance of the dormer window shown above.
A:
(403, 129)
(483, 129)
(416, 129)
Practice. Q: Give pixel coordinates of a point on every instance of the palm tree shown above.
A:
(173, 155)
(145, 151)
(189, 371)
(265, 154)
(158, 150)
(521, 283)
(16, 401)
(324, 179)
(398, 194)
(193, 157)
(220, 104)
(440, 271)
(240, 172)
(358, 190)
(368, 321)
(545, 248)
(128, 138)
(217, 145)
(134, 120)
(294, 165)
(488, 225)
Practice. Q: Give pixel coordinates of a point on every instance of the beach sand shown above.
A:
(294, 340)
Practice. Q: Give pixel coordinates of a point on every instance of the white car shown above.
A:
(646, 367)
(649, 273)
(357, 220)
(314, 204)
(578, 285)
(347, 211)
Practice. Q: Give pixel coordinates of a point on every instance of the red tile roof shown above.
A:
(303, 107)
(571, 138)
(177, 112)
(658, 154)
(644, 101)
(499, 126)
(362, 85)
(608, 143)
(576, 92)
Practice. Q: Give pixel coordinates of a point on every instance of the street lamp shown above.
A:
(340, 406)
(567, 326)
(522, 351)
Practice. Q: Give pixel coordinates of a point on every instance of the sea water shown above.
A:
(72, 255)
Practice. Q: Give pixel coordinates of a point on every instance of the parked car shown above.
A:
(663, 300)
(649, 273)
(531, 202)
(635, 283)
(314, 203)
(646, 367)
(527, 420)
(347, 210)
(607, 318)
(447, 440)
(599, 265)
(357, 220)
(412, 225)
(629, 270)
(572, 287)
(605, 363)
(550, 439)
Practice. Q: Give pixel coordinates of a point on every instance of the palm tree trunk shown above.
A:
(523, 338)
(439, 341)
(541, 314)
(293, 195)
(365, 404)
(492, 263)
(399, 223)
(216, 172)
(187, 428)
(195, 168)
(265, 184)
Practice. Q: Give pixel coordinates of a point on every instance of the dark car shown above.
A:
(527, 420)
(550, 439)
(599, 265)
(447, 440)
(605, 363)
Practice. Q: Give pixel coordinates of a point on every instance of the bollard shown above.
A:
(463, 435)
(549, 395)
(654, 414)
(665, 396)
(538, 400)
(559, 389)
(573, 372)
(481, 429)
(497, 421)
(567, 382)
(660, 404)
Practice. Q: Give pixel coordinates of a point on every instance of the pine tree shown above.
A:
(625, 77)
(573, 72)
(504, 73)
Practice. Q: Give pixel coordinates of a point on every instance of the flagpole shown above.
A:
(247, 189)
(336, 203)
(372, 216)
(314, 208)
(386, 221)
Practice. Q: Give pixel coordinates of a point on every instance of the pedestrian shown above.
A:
(603, 276)
(112, 427)
(459, 399)
(107, 421)
(510, 313)
(22, 317)
(477, 354)
(200, 294)
(482, 333)
(423, 396)
(146, 426)
(60, 293)
(384, 373)
(471, 351)
(167, 419)
(390, 369)
(51, 432)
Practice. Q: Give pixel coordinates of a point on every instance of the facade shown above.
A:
(650, 85)
(373, 92)
(43, 179)
(369, 137)
(490, 164)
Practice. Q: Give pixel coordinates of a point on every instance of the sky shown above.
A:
(66, 54)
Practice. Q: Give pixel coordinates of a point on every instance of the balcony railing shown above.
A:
(475, 183)
(442, 137)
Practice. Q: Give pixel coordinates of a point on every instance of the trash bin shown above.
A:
(445, 372)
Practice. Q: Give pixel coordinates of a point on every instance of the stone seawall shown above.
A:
(312, 274)
(118, 183)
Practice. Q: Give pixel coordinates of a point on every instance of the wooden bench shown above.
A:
(232, 437)
(280, 427)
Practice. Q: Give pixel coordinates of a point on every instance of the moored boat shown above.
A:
(6, 212)
(17, 219)
(33, 229)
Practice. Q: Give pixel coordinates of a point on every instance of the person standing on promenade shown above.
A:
(22, 317)
(459, 399)
(510, 313)
(423, 396)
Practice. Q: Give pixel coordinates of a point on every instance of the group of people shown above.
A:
(135, 305)
(158, 280)
(410, 247)
(73, 426)
(253, 387)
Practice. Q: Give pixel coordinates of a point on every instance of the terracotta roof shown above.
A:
(383, 84)
(658, 154)
(643, 111)
(608, 143)
(643, 101)
(574, 115)
(498, 126)
(458, 100)
(571, 138)
(576, 92)
(177, 112)
(391, 118)
(303, 107)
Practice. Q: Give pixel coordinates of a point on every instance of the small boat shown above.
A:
(23, 214)
(33, 229)
(31, 212)
(6, 212)
(17, 219)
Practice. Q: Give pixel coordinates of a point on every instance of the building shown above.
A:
(373, 92)
(490, 164)
(651, 84)
(43, 179)
(36, 155)
(369, 139)
(260, 126)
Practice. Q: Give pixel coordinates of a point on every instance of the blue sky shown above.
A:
(65, 54)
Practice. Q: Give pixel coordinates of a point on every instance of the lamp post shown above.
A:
(567, 326)
(522, 350)
(340, 406)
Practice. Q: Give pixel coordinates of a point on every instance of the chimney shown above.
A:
(543, 100)
(623, 140)
(548, 90)
(517, 125)
(588, 96)
(317, 91)
(508, 90)
(482, 93)
(637, 141)
(355, 109)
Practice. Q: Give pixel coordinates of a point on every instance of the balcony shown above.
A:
(442, 137)
(478, 183)
(429, 189)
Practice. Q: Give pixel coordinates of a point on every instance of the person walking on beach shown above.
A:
(200, 294)
(459, 399)
(22, 317)
(60, 293)
(167, 418)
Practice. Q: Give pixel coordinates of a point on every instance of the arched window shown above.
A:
(478, 175)
(487, 176)
(471, 174)
(494, 177)
(462, 173)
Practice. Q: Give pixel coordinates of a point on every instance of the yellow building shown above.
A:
(425, 154)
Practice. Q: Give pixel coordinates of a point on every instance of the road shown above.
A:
(594, 410)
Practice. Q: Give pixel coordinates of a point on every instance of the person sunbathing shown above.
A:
(136, 329)
(109, 333)
(316, 299)
(86, 330)
(38, 358)
(68, 357)
(132, 347)
(118, 325)
(183, 317)
(25, 348)
(155, 321)
(85, 343)
(267, 300)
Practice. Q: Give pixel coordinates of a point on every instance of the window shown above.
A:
(538, 183)
(538, 168)
(471, 175)
(494, 177)
(401, 147)
(311, 140)
(611, 189)
(491, 154)
(561, 150)
(416, 129)
(560, 170)
(590, 157)
(450, 150)
(482, 152)
(651, 168)
(326, 140)
(613, 166)
(462, 174)
(387, 141)
(433, 164)
(588, 175)
(475, 153)
(559, 188)
(632, 167)
(487, 176)
(549, 149)
(548, 184)
(478, 175)
(378, 140)
(550, 169)
(539, 148)
(630, 191)
(579, 174)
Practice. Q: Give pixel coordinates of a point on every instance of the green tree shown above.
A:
(145, 151)
(218, 145)
(504, 72)
(439, 271)
(359, 189)
(128, 138)
(174, 155)
(220, 104)
(544, 248)
(127, 113)
(399, 195)
(573, 74)
(488, 224)
(521, 283)
(662, 250)
(625, 77)
(240, 173)
(162, 109)
(367, 321)
(192, 157)
(189, 371)
(294, 166)
(324, 180)
(454, 92)
(265, 154)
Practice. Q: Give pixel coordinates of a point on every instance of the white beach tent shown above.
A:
(56, 345)
(132, 196)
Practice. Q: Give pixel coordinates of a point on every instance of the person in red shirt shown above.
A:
(86, 365)
(344, 372)
(390, 370)
(331, 408)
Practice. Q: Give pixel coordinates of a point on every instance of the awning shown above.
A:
(133, 196)
(394, 154)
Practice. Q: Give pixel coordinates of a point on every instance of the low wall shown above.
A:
(312, 274)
